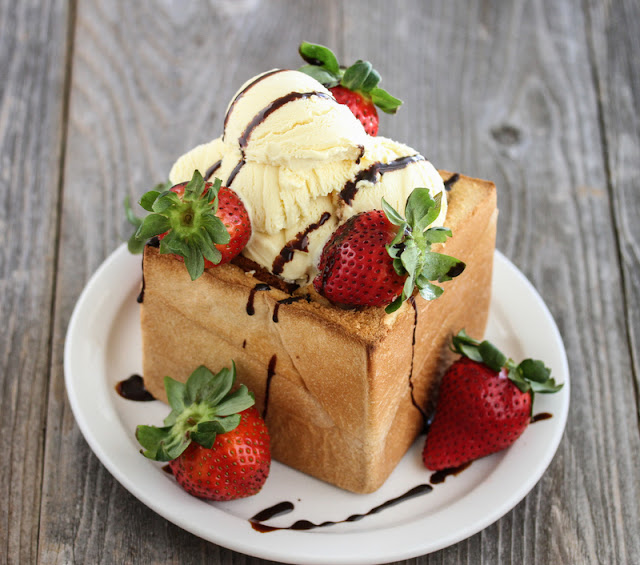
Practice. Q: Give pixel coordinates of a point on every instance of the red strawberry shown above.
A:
(201, 222)
(235, 218)
(375, 259)
(355, 86)
(362, 107)
(235, 467)
(484, 404)
(217, 443)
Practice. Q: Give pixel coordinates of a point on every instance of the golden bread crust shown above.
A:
(335, 385)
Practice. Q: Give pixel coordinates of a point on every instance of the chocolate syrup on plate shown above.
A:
(133, 389)
(299, 243)
(252, 293)
(541, 416)
(440, 476)
(286, 507)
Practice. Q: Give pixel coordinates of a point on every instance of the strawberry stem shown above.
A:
(530, 375)
(411, 247)
(202, 408)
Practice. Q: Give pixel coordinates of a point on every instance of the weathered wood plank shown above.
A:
(505, 94)
(616, 52)
(32, 93)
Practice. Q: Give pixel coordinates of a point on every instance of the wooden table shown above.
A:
(97, 98)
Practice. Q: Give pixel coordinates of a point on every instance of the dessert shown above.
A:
(344, 391)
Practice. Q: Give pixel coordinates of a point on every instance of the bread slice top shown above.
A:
(468, 198)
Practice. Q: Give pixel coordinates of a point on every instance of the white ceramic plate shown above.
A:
(103, 347)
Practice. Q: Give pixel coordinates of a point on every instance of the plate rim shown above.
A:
(251, 542)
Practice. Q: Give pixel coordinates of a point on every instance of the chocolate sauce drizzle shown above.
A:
(286, 507)
(212, 169)
(412, 301)
(244, 91)
(260, 117)
(289, 300)
(133, 389)
(252, 293)
(153, 242)
(541, 416)
(370, 174)
(299, 243)
(453, 179)
(263, 114)
(440, 476)
(271, 370)
(235, 171)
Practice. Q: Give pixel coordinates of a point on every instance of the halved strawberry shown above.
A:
(377, 258)
(202, 222)
(355, 86)
(217, 443)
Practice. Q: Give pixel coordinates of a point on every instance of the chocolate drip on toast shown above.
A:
(271, 370)
(412, 300)
(289, 300)
(453, 179)
(252, 293)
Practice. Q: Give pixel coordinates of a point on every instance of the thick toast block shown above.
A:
(343, 391)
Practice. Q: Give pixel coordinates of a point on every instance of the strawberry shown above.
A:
(355, 86)
(361, 107)
(484, 404)
(376, 258)
(217, 443)
(202, 222)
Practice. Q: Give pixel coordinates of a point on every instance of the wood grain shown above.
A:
(539, 96)
(33, 37)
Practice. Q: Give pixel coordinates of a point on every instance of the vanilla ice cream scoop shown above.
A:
(303, 164)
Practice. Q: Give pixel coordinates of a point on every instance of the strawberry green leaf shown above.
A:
(394, 217)
(530, 375)
(421, 209)
(410, 249)
(319, 55)
(323, 76)
(383, 100)
(360, 77)
(202, 408)
(356, 75)
(175, 393)
(197, 385)
(237, 401)
(148, 198)
(153, 224)
(492, 356)
(437, 235)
